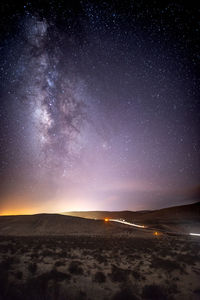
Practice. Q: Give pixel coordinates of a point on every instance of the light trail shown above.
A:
(196, 234)
(127, 223)
(156, 233)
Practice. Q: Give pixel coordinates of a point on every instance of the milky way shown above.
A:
(99, 106)
(56, 109)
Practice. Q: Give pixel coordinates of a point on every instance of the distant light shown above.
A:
(196, 234)
(156, 233)
(127, 223)
(106, 219)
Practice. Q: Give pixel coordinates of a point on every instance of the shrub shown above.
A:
(7, 263)
(57, 276)
(62, 254)
(32, 267)
(75, 268)
(82, 295)
(165, 264)
(59, 263)
(154, 292)
(136, 275)
(101, 259)
(124, 294)
(19, 275)
(47, 252)
(118, 274)
(99, 277)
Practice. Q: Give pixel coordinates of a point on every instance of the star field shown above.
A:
(99, 105)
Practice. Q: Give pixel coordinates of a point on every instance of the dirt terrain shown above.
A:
(55, 224)
(185, 218)
(183, 211)
(75, 267)
(179, 219)
(52, 256)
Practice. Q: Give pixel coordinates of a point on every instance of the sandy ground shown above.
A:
(101, 267)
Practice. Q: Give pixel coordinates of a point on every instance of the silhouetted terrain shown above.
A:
(55, 224)
(190, 211)
(125, 214)
(178, 218)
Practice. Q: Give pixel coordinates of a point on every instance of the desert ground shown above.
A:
(184, 218)
(52, 256)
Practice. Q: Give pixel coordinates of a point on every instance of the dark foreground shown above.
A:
(161, 267)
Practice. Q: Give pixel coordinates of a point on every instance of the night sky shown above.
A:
(99, 105)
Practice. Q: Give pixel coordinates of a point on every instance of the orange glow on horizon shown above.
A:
(106, 219)
(16, 213)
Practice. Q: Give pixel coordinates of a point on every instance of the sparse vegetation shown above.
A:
(77, 267)
(154, 292)
(118, 274)
(99, 277)
(125, 293)
(32, 267)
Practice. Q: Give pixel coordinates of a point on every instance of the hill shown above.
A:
(56, 224)
(184, 211)
(184, 217)
(124, 214)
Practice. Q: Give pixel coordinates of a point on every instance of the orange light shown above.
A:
(106, 219)
(156, 233)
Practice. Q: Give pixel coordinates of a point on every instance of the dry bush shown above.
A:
(165, 264)
(75, 267)
(99, 277)
(32, 267)
(124, 294)
(154, 292)
(118, 274)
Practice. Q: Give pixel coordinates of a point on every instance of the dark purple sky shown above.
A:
(99, 105)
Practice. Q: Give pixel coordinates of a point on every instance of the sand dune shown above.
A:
(178, 218)
(183, 219)
(104, 214)
(55, 224)
(190, 211)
